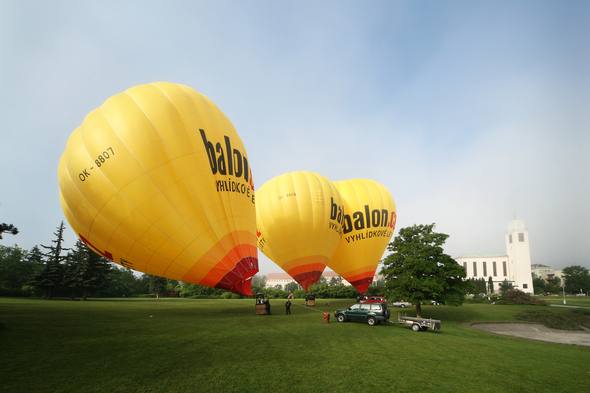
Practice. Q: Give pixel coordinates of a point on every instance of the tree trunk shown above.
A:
(418, 309)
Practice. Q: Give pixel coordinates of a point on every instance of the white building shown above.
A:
(282, 279)
(514, 266)
(545, 272)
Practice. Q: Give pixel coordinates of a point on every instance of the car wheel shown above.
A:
(416, 328)
(340, 318)
(371, 321)
(403, 306)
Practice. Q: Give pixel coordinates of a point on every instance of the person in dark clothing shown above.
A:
(267, 304)
(288, 307)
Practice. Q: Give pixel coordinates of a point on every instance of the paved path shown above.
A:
(566, 306)
(536, 332)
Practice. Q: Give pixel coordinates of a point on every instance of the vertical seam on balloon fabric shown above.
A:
(135, 240)
(167, 161)
(225, 203)
(215, 237)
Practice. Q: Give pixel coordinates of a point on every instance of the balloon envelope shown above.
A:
(369, 220)
(298, 216)
(157, 180)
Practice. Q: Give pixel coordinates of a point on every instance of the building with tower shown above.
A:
(514, 266)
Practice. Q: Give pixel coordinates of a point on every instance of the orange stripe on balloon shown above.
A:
(299, 264)
(361, 276)
(233, 253)
(306, 268)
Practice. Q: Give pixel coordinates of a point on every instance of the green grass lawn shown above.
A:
(177, 345)
(581, 301)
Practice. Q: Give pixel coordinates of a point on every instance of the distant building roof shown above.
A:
(284, 276)
(482, 256)
(278, 276)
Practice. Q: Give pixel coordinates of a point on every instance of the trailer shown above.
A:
(418, 324)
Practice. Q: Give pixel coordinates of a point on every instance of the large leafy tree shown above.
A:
(418, 269)
(13, 272)
(577, 278)
(553, 285)
(539, 285)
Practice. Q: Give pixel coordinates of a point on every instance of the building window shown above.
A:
(525, 286)
(521, 237)
(510, 238)
(504, 268)
(485, 269)
(465, 267)
(474, 269)
(494, 267)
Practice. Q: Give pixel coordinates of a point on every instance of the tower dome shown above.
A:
(516, 226)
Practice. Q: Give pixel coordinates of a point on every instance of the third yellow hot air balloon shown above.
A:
(369, 220)
(298, 217)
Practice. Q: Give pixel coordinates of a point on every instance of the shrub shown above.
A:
(514, 296)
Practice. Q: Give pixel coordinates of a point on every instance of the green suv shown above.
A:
(371, 313)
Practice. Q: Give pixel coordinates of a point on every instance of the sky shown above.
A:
(472, 113)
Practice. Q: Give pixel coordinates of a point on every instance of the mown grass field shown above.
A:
(581, 301)
(177, 345)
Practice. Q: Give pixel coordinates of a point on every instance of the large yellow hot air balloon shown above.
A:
(299, 216)
(369, 221)
(157, 180)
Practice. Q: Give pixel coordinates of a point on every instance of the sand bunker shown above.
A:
(535, 331)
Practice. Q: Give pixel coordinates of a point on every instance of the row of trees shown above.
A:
(416, 270)
(329, 289)
(55, 271)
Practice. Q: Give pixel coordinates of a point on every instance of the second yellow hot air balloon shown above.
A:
(299, 216)
(369, 220)
(157, 179)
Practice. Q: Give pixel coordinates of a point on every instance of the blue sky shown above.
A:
(470, 112)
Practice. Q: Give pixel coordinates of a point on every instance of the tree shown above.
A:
(553, 285)
(577, 279)
(418, 269)
(73, 269)
(505, 286)
(51, 276)
(539, 285)
(157, 284)
(13, 272)
(258, 283)
(85, 271)
(7, 228)
(490, 285)
(292, 287)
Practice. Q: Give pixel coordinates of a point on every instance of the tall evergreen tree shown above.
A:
(95, 273)
(490, 285)
(51, 277)
(85, 271)
(73, 269)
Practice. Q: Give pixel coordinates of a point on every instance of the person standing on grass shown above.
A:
(288, 307)
(267, 305)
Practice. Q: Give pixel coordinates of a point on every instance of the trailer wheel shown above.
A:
(416, 327)
(371, 321)
(340, 318)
